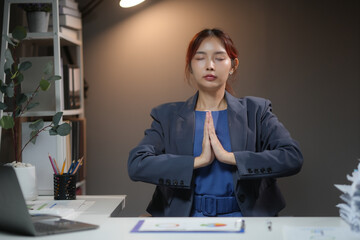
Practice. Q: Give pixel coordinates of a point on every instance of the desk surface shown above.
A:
(256, 228)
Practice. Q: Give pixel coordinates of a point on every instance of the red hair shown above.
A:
(195, 44)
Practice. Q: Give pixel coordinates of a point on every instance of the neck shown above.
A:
(211, 101)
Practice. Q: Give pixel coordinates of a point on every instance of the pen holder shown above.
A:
(64, 187)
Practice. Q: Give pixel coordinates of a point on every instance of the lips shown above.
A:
(210, 77)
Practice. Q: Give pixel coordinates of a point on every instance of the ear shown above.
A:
(235, 64)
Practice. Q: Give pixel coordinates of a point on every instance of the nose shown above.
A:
(210, 66)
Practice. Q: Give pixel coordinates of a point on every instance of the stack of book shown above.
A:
(72, 86)
(69, 19)
(350, 210)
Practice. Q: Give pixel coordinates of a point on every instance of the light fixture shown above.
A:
(129, 3)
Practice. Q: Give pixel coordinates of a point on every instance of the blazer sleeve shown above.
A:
(276, 154)
(149, 161)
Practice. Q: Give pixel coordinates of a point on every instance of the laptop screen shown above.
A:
(14, 215)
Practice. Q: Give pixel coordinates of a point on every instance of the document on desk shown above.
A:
(189, 225)
(62, 208)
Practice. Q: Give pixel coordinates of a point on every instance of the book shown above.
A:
(71, 33)
(66, 85)
(68, 32)
(72, 86)
(68, 3)
(68, 21)
(76, 88)
(69, 11)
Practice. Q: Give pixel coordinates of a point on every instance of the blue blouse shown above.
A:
(215, 179)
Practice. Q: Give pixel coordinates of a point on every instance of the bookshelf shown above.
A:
(64, 33)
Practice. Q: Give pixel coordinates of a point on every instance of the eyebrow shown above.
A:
(218, 52)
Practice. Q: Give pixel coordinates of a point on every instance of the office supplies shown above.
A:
(56, 166)
(269, 225)
(79, 163)
(63, 166)
(52, 164)
(14, 215)
(65, 186)
(199, 225)
(71, 166)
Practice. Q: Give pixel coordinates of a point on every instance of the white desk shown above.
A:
(119, 228)
(103, 207)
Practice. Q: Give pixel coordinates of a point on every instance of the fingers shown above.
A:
(220, 153)
(211, 128)
(207, 155)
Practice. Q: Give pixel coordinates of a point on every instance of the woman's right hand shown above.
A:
(207, 155)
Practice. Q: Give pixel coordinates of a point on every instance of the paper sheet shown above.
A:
(63, 208)
(189, 225)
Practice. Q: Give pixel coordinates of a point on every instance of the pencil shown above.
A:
(52, 164)
(63, 166)
(78, 165)
(71, 166)
(57, 167)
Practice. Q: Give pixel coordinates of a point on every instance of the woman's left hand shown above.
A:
(220, 153)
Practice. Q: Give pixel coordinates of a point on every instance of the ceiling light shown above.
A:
(129, 3)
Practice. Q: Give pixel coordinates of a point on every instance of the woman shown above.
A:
(214, 155)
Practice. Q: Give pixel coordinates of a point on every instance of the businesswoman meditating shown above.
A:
(214, 154)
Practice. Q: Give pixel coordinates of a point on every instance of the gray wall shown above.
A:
(303, 55)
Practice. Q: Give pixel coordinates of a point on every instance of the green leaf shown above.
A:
(3, 88)
(3, 106)
(10, 41)
(10, 90)
(37, 125)
(19, 33)
(8, 60)
(48, 68)
(25, 66)
(7, 122)
(64, 129)
(54, 78)
(32, 105)
(21, 99)
(53, 131)
(44, 85)
(57, 118)
(20, 77)
(7, 67)
(33, 134)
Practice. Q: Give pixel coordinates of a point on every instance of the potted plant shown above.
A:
(16, 102)
(37, 15)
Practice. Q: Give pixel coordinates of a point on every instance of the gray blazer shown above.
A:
(262, 147)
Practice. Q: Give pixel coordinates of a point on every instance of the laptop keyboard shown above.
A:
(52, 226)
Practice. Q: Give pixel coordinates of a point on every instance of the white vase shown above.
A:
(27, 180)
(38, 21)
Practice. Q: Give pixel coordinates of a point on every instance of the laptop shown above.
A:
(15, 217)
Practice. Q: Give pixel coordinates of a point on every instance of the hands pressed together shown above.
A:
(211, 147)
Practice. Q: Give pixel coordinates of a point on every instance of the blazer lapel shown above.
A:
(186, 127)
(237, 123)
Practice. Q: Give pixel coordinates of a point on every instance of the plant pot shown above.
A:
(38, 21)
(27, 180)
